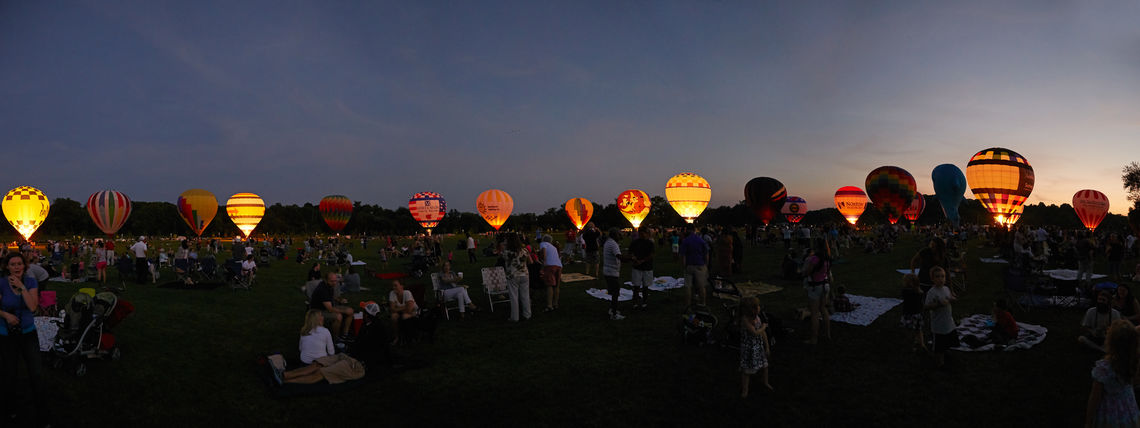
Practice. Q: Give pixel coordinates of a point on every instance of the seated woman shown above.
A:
(449, 285)
(402, 306)
(315, 272)
(1124, 302)
(351, 281)
(1005, 328)
(248, 267)
(318, 352)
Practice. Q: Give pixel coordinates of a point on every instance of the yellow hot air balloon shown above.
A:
(495, 206)
(1001, 180)
(197, 208)
(689, 194)
(26, 208)
(579, 210)
(246, 210)
(634, 205)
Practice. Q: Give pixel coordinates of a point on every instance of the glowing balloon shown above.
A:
(851, 201)
(246, 211)
(689, 194)
(1001, 179)
(579, 210)
(336, 210)
(109, 210)
(1091, 206)
(1011, 218)
(891, 189)
(794, 209)
(765, 196)
(495, 206)
(26, 208)
(949, 188)
(428, 208)
(917, 205)
(197, 208)
(634, 205)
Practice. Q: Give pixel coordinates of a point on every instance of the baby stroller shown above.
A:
(697, 326)
(85, 331)
(418, 266)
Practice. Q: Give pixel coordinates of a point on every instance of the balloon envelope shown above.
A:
(109, 210)
(949, 188)
(246, 211)
(26, 208)
(891, 189)
(1001, 180)
(851, 201)
(197, 208)
(765, 196)
(794, 209)
(1011, 218)
(428, 208)
(336, 210)
(634, 205)
(495, 206)
(579, 210)
(914, 210)
(1091, 206)
(689, 194)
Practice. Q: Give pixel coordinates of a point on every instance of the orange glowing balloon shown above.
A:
(634, 205)
(246, 211)
(851, 201)
(689, 194)
(579, 210)
(26, 208)
(495, 206)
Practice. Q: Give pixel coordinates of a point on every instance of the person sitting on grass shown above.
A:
(324, 299)
(1126, 303)
(318, 352)
(1112, 400)
(1005, 327)
(1095, 324)
(402, 306)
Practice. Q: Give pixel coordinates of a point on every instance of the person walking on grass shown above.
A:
(590, 237)
(611, 269)
(695, 257)
(518, 276)
(753, 345)
(817, 272)
(641, 255)
(141, 269)
(938, 302)
(551, 271)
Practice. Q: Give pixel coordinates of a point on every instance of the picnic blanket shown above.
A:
(663, 283)
(993, 260)
(1069, 274)
(975, 326)
(47, 330)
(867, 309)
(575, 277)
(906, 271)
(748, 288)
(624, 295)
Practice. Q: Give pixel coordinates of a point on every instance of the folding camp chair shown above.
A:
(182, 269)
(436, 286)
(1020, 286)
(495, 285)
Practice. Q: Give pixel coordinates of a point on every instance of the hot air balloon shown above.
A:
(851, 201)
(634, 205)
(495, 206)
(197, 207)
(1011, 218)
(1091, 206)
(579, 210)
(109, 210)
(914, 210)
(336, 210)
(246, 210)
(891, 189)
(765, 196)
(26, 208)
(428, 208)
(949, 188)
(689, 194)
(794, 209)
(1001, 179)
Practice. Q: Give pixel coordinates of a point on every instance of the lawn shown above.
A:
(189, 360)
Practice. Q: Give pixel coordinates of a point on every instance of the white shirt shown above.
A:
(317, 344)
(550, 255)
(140, 249)
(611, 264)
(941, 318)
(248, 265)
(470, 243)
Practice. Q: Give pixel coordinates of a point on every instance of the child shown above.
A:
(1005, 328)
(1112, 401)
(912, 311)
(753, 342)
(841, 303)
(938, 302)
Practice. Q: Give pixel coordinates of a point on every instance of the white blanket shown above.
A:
(906, 271)
(624, 295)
(663, 283)
(975, 325)
(867, 309)
(1069, 274)
(993, 260)
(47, 330)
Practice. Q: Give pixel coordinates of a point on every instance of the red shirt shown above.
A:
(1006, 323)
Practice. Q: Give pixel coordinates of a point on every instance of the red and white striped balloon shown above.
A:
(1091, 206)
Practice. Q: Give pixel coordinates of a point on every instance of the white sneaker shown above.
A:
(617, 316)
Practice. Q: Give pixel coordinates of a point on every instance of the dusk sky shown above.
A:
(552, 100)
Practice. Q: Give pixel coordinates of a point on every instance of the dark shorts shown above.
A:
(943, 342)
(613, 285)
(592, 256)
(551, 274)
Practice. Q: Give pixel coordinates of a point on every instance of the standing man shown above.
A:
(611, 269)
(641, 250)
(551, 271)
(695, 256)
(141, 270)
(591, 236)
(471, 249)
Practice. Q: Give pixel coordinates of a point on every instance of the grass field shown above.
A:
(188, 360)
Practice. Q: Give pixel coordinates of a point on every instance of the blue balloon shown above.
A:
(949, 188)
